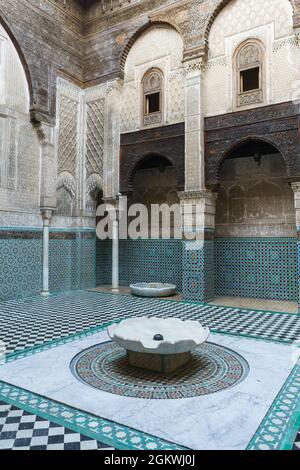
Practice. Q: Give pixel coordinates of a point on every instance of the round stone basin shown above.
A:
(157, 344)
(153, 289)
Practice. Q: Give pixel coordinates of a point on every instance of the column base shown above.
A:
(163, 364)
(45, 293)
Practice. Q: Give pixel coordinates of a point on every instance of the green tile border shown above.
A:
(108, 432)
(279, 427)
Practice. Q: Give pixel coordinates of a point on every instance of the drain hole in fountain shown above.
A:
(158, 338)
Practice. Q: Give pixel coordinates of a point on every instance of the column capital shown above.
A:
(110, 200)
(45, 132)
(194, 196)
(47, 213)
(296, 186)
(114, 85)
(194, 65)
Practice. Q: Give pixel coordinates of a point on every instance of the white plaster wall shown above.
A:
(269, 21)
(161, 47)
(19, 149)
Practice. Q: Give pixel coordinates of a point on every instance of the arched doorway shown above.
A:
(154, 181)
(256, 245)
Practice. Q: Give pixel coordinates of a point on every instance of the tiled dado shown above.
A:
(263, 268)
(142, 261)
(72, 261)
(198, 270)
(298, 266)
(20, 266)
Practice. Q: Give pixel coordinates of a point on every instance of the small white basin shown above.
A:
(153, 289)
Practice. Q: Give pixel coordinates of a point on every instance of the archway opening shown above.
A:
(154, 182)
(255, 247)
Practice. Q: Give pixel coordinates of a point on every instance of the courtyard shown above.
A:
(150, 227)
(45, 406)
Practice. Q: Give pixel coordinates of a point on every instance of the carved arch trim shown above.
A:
(67, 181)
(93, 183)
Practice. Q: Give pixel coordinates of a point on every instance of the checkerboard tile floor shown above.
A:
(20, 430)
(31, 322)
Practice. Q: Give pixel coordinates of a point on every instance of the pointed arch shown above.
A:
(223, 3)
(254, 139)
(21, 55)
(135, 36)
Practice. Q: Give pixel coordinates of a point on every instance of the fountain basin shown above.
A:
(156, 344)
(153, 289)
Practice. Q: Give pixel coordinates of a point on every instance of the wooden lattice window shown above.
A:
(152, 86)
(249, 69)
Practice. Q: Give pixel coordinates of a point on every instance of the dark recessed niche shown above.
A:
(250, 80)
(153, 103)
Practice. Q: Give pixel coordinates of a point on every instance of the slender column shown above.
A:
(112, 207)
(115, 255)
(46, 135)
(47, 214)
(296, 189)
(111, 168)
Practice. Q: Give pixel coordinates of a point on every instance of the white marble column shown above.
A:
(112, 168)
(115, 255)
(194, 126)
(112, 208)
(47, 215)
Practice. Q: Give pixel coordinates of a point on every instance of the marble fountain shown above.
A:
(156, 344)
(153, 289)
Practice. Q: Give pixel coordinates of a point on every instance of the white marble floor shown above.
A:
(225, 420)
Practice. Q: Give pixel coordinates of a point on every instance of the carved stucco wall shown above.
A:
(19, 146)
(270, 21)
(80, 148)
(161, 47)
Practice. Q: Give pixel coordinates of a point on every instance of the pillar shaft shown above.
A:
(47, 214)
(194, 135)
(112, 207)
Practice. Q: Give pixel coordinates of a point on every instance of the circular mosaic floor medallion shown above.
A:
(213, 368)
